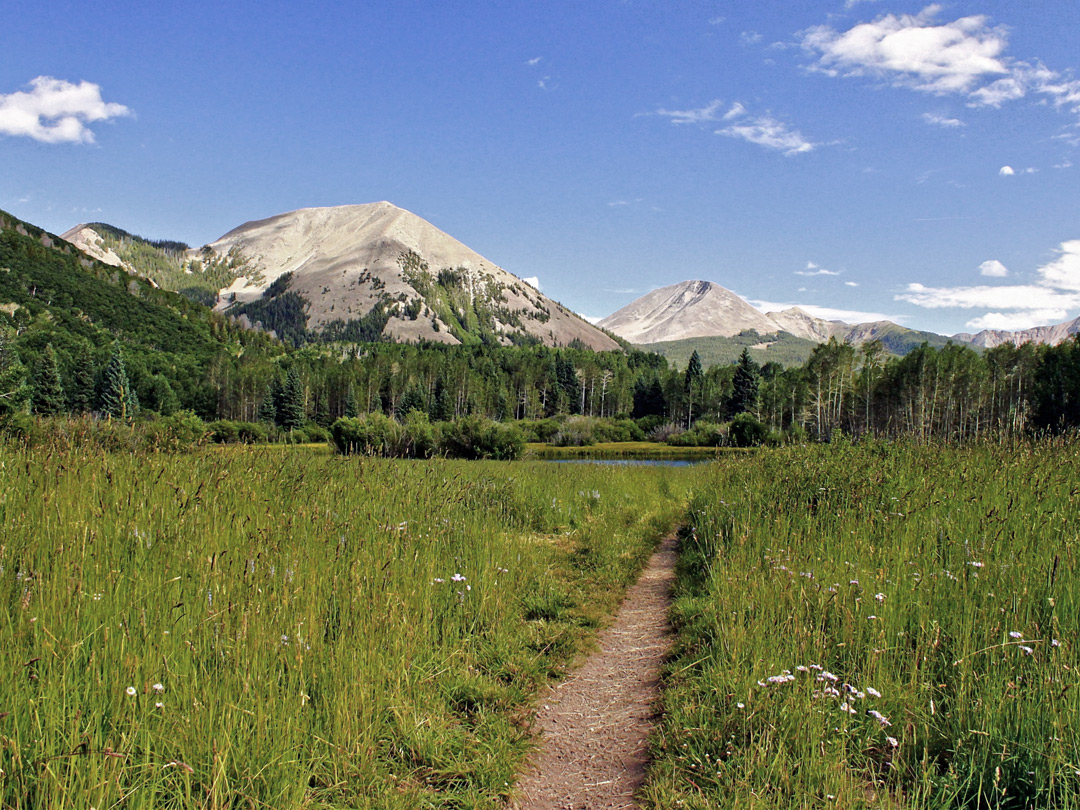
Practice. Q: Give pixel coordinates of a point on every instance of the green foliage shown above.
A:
(702, 434)
(15, 392)
(746, 431)
(473, 437)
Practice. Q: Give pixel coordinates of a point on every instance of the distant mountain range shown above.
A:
(357, 272)
(690, 311)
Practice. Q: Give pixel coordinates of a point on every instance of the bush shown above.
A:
(372, 435)
(180, 431)
(316, 434)
(476, 437)
(664, 432)
(746, 431)
(702, 434)
(539, 430)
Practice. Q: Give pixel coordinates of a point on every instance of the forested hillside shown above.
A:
(70, 325)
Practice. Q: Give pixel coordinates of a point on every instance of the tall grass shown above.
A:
(262, 628)
(877, 626)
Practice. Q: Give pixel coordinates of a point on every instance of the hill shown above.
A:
(52, 293)
(778, 347)
(169, 264)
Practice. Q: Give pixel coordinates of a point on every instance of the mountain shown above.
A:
(699, 310)
(687, 310)
(376, 270)
(989, 338)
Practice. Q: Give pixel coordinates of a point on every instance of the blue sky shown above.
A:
(860, 158)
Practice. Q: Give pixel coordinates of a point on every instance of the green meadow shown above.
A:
(269, 629)
(857, 626)
(877, 626)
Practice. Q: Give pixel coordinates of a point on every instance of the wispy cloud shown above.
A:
(827, 313)
(851, 284)
(710, 112)
(534, 61)
(942, 121)
(1009, 171)
(56, 111)
(533, 281)
(1012, 306)
(815, 270)
(764, 130)
(966, 56)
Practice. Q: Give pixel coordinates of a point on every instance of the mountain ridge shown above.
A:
(705, 309)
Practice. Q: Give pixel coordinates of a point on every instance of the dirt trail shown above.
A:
(594, 725)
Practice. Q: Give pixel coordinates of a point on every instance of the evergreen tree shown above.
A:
(14, 391)
(692, 382)
(745, 385)
(117, 398)
(81, 390)
(163, 398)
(567, 381)
(411, 400)
(352, 407)
(268, 406)
(48, 389)
(291, 409)
(442, 409)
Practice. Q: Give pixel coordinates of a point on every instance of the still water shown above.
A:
(633, 462)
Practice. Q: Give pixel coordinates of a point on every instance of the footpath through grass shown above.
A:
(877, 626)
(267, 630)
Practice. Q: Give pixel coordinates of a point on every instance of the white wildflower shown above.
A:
(130, 691)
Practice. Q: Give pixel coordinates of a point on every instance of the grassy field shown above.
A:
(268, 629)
(626, 450)
(877, 627)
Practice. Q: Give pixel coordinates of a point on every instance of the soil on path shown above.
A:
(594, 726)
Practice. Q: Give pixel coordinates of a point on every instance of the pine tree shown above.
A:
(81, 390)
(268, 407)
(14, 391)
(745, 384)
(48, 389)
(117, 398)
(692, 383)
(291, 408)
(352, 407)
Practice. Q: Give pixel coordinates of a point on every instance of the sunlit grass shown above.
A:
(877, 626)
(268, 628)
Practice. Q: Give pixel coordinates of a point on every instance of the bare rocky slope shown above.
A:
(356, 261)
(703, 309)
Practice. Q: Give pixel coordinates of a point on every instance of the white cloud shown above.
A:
(852, 3)
(827, 313)
(912, 51)
(1012, 321)
(593, 319)
(942, 121)
(750, 37)
(1005, 297)
(766, 131)
(851, 284)
(533, 281)
(717, 20)
(697, 116)
(965, 56)
(815, 270)
(737, 110)
(1012, 306)
(1006, 171)
(56, 111)
(1064, 272)
(993, 268)
(534, 61)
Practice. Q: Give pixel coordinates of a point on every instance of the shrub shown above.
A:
(746, 431)
(477, 437)
(373, 435)
(702, 434)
